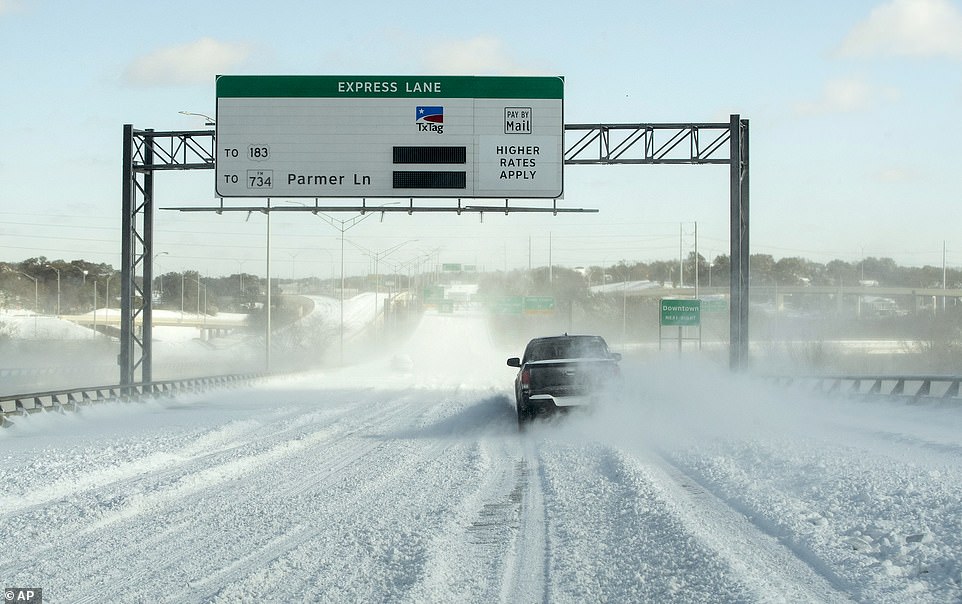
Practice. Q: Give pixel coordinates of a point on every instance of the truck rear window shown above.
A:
(566, 348)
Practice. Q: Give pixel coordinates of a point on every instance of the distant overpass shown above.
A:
(112, 319)
(647, 289)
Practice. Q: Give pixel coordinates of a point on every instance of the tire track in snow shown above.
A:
(167, 493)
(220, 441)
(527, 568)
(338, 445)
(496, 531)
(613, 537)
(764, 562)
(394, 543)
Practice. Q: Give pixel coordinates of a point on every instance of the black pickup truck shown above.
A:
(560, 372)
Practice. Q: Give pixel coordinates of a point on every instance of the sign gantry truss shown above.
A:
(648, 144)
(147, 151)
(172, 150)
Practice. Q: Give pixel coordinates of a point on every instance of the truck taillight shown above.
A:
(525, 377)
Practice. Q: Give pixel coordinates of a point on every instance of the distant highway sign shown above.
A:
(389, 136)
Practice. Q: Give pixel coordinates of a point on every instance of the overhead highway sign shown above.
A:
(389, 136)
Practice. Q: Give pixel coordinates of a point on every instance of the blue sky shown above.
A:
(853, 109)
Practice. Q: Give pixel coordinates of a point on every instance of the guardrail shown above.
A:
(73, 398)
(915, 388)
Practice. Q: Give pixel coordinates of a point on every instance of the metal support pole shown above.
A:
(137, 250)
(738, 351)
(124, 360)
(147, 304)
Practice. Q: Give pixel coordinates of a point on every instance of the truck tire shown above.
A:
(525, 413)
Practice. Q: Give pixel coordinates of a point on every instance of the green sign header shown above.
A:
(450, 87)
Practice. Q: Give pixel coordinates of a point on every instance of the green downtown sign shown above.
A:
(680, 312)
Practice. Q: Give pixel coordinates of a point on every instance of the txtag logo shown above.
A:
(429, 119)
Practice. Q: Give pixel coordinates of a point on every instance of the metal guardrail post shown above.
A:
(836, 384)
(23, 404)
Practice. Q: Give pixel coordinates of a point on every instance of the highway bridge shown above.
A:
(909, 298)
(202, 321)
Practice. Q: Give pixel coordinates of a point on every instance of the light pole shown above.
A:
(377, 256)
(57, 270)
(943, 276)
(240, 269)
(84, 272)
(36, 291)
(343, 226)
(197, 279)
(199, 286)
(624, 308)
(696, 260)
(711, 268)
(107, 293)
(408, 265)
(160, 276)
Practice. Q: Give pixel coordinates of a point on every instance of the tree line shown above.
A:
(77, 285)
(764, 269)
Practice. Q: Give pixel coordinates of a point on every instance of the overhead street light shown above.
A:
(344, 225)
(36, 290)
(107, 293)
(95, 307)
(209, 120)
(161, 277)
(84, 272)
(377, 256)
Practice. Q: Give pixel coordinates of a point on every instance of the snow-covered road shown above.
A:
(369, 484)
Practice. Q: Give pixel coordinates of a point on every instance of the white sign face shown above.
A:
(390, 136)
